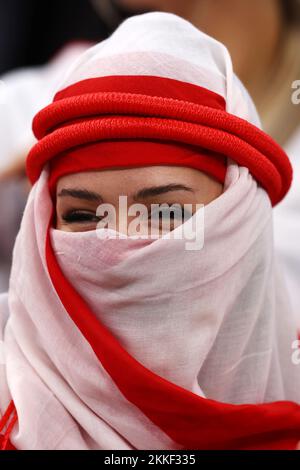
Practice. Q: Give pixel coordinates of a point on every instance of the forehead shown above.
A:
(149, 182)
(127, 178)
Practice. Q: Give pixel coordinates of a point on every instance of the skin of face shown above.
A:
(78, 195)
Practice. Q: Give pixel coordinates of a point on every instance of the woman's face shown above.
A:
(79, 197)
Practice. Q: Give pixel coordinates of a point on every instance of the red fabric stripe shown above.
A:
(6, 444)
(8, 419)
(5, 418)
(189, 420)
(126, 154)
(145, 85)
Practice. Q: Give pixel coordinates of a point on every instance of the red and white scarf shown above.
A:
(142, 344)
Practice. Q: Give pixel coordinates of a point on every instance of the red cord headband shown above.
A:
(72, 130)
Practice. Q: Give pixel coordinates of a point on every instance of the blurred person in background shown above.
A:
(31, 32)
(263, 38)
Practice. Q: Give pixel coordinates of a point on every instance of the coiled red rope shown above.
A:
(81, 119)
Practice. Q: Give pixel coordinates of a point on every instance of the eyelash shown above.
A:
(80, 217)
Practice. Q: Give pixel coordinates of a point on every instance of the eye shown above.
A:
(80, 216)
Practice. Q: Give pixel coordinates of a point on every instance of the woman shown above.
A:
(118, 342)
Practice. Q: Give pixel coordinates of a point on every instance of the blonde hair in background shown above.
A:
(273, 97)
(280, 116)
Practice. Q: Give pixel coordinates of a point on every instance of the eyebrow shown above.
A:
(141, 194)
(80, 194)
(157, 190)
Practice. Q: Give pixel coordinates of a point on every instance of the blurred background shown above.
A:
(32, 32)
(38, 40)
